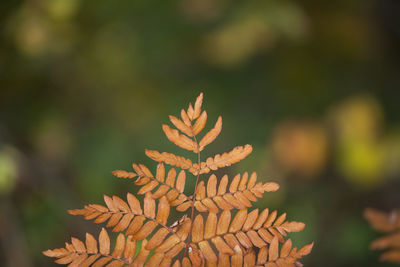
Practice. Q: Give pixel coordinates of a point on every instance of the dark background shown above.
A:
(312, 85)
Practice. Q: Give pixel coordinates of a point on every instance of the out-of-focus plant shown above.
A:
(360, 152)
(388, 224)
(40, 29)
(8, 170)
(300, 148)
(353, 139)
(250, 30)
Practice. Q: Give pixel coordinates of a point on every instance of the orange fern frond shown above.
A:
(97, 252)
(245, 230)
(218, 231)
(242, 191)
(192, 123)
(211, 164)
(124, 174)
(171, 159)
(224, 160)
(287, 256)
(129, 216)
(179, 139)
(171, 186)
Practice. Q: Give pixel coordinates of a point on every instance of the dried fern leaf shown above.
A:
(186, 125)
(185, 118)
(174, 160)
(192, 114)
(138, 221)
(242, 238)
(211, 135)
(171, 185)
(174, 242)
(242, 191)
(179, 139)
(168, 241)
(181, 126)
(270, 255)
(170, 159)
(96, 252)
(287, 256)
(197, 107)
(244, 231)
(124, 174)
(200, 123)
(224, 160)
(190, 111)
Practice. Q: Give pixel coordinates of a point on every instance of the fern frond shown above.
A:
(97, 252)
(288, 256)
(225, 160)
(219, 238)
(171, 159)
(124, 174)
(192, 123)
(242, 191)
(179, 139)
(137, 221)
(228, 237)
(165, 249)
(388, 223)
(172, 186)
(271, 255)
(245, 230)
(211, 164)
(181, 126)
(186, 127)
(267, 256)
(190, 130)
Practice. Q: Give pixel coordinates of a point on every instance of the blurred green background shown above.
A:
(312, 85)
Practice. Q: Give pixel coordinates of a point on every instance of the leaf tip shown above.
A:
(271, 187)
(48, 253)
(73, 212)
(306, 249)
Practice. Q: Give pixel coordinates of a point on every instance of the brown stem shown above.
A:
(193, 197)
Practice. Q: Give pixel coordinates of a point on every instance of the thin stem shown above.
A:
(193, 196)
(124, 260)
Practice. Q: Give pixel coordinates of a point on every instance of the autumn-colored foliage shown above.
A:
(216, 227)
(389, 224)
